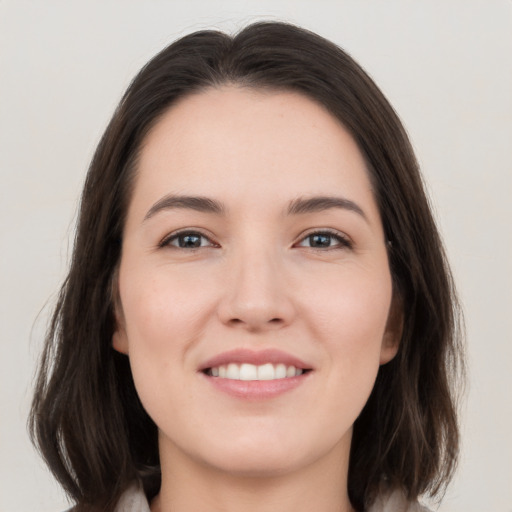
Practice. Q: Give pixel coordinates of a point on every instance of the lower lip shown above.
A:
(256, 389)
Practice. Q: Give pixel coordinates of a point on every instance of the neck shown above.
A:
(190, 486)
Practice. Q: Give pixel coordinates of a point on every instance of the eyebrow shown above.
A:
(298, 206)
(197, 203)
(320, 203)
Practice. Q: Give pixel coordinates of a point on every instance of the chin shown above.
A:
(259, 456)
(258, 464)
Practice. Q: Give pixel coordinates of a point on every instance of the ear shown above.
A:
(119, 338)
(394, 330)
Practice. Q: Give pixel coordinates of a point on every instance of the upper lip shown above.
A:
(256, 358)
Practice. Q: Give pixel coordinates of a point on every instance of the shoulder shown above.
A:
(132, 500)
(396, 502)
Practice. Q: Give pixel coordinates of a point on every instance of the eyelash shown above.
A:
(343, 242)
(166, 242)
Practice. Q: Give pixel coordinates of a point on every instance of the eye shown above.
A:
(325, 240)
(187, 240)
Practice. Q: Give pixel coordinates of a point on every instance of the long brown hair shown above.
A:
(86, 417)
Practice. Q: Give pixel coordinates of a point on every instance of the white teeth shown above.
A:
(266, 372)
(246, 371)
(233, 371)
(280, 371)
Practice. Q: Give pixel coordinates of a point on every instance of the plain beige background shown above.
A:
(446, 65)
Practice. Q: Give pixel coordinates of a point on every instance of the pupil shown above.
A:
(190, 241)
(320, 240)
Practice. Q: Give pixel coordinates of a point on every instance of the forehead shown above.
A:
(248, 144)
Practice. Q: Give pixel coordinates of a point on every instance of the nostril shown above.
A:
(236, 321)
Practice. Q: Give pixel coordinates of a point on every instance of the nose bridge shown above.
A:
(256, 296)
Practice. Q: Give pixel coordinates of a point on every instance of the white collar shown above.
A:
(134, 500)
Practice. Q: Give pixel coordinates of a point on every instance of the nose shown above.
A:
(255, 295)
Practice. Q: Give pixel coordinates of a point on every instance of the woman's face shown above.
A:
(254, 282)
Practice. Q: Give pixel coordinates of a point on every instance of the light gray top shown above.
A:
(134, 500)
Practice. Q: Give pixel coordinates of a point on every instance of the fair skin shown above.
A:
(255, 274)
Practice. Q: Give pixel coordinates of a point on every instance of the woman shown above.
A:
(259, 314)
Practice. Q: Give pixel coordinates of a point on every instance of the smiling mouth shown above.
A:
(251, 372)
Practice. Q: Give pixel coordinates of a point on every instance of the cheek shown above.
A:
(349, 315)
(352, 306)
(354, 323)
(164, 310)
(164, 318)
